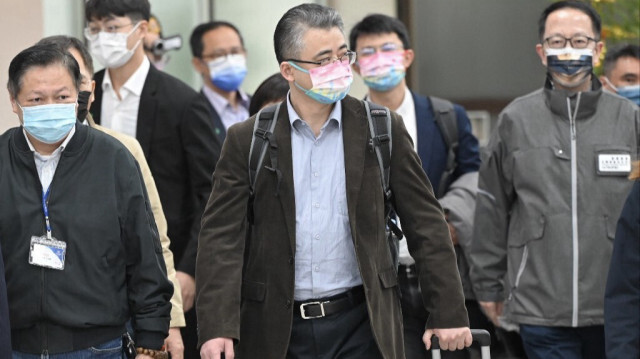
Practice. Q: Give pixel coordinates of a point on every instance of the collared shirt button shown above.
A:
(317, 205)
(316, 268)
(317, 236)
(315, 174)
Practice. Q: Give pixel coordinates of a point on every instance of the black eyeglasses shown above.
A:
(348, 57)
(577, 41)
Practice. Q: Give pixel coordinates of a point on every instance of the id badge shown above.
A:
(614, 164)
(49, 253)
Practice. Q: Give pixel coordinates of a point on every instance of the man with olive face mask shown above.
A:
(220, 58)
(169, 119)
(550, 192)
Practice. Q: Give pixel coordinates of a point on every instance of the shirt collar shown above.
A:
(62, 146)
(336, 113)
(135, 83)
(219, 103)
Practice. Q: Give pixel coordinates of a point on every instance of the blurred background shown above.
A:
(480, 54)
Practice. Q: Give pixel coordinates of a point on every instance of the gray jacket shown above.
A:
(550, 193)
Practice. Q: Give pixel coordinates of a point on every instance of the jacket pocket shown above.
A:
(524, 231)
(253, 290)
(388, 278)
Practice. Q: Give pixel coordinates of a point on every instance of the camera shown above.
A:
(166, 44)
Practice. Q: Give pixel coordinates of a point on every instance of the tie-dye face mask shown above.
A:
(331, 82)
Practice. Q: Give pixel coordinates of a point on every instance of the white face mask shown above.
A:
(110, 48)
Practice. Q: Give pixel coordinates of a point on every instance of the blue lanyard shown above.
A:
(45, 197)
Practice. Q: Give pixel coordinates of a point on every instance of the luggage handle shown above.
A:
(480, 336)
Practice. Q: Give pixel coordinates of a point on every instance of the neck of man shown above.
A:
(391, 99)
(120, 75)
(231, 96)
(42, 148)
(314, 113)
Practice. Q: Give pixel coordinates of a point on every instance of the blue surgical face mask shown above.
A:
(632, 92)
(227, 73)
(331, 83)
(49, 123)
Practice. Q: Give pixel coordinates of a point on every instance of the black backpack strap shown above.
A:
(379, 118)
(445, 116)
(263, 135)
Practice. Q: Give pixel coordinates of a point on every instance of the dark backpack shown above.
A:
(447, 122)
(379, 119)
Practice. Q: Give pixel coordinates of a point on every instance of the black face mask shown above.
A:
(83, 105)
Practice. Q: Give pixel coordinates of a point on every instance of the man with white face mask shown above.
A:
(75, 219)
(622, 71)
(550, 192)
(169, 119)
(313, 277)
(219, 57)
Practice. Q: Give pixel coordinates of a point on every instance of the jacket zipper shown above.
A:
(574, 207)
(523, 264)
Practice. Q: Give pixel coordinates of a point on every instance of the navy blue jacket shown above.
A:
(622, 294)
(5, 329)
(433, 150)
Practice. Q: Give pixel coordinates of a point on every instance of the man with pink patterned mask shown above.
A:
(310, 273)
(384, 55)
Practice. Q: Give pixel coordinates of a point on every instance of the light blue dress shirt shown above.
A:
(325, 260)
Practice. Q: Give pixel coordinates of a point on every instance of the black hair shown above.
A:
(616, 52)
(136, 10)
(379, 24)
(64, 43)
(195, 41)
(40, 56)
(291, 28)
(585, 7)
(273, 89)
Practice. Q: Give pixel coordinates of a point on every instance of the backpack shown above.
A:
(447, 122)
(379, 119)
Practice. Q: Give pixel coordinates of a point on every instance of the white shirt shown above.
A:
(121, 114)
(46, 165)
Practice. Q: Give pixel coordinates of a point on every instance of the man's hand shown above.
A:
(450, 339)
(212, 348)
(452, 229)
(492, 310)
(174, 343)
(188, 286)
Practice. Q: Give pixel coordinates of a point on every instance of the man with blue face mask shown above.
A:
(622, 71)
(310, 273)
(75, 218)
(220, 58)
(550, 192)
(169, 119)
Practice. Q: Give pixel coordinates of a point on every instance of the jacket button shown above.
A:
(288, 304)
(290, 260)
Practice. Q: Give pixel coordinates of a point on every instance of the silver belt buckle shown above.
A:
(302, 310)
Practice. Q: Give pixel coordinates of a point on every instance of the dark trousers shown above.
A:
(343, 335)
(190, 335)
(414, 318)
(563, 342)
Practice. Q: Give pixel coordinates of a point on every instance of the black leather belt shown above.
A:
(319, 308)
